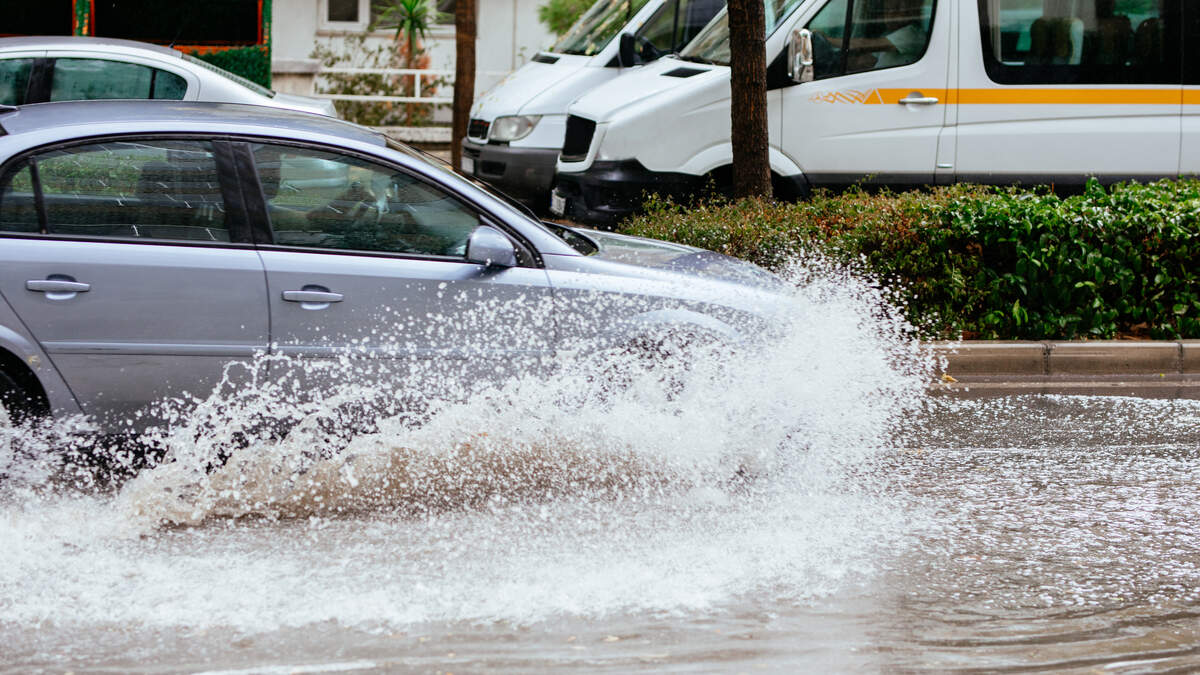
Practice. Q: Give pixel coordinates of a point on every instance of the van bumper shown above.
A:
(523, 173)
(608, 192)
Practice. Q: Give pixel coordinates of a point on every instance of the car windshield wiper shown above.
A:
(695, 59)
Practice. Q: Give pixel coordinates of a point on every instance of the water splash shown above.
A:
(603, 481)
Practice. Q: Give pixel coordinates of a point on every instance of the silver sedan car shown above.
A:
(146, 246)
(75, 68)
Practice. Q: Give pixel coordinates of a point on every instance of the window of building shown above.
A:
(211, 22)
(1081, 41)
(47, 17)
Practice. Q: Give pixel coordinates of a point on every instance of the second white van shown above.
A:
(903, 93)
(516, 128)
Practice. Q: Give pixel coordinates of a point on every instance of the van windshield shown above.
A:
(712, 45)
(597, 27)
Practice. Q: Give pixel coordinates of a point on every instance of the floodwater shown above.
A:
(803, 506)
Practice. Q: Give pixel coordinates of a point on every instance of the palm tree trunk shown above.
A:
(748, 99)
(464, 75)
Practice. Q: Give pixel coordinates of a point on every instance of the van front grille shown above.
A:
(578, 140)
(478, 128)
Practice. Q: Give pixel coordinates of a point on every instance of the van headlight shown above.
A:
(512, 127)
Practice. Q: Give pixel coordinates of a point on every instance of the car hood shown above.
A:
(679, 258)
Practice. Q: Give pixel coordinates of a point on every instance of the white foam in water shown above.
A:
(544, 496)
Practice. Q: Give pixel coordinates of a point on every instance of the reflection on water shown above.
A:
(801, 503)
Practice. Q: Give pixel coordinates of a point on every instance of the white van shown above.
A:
(902, 93)
(516, 128)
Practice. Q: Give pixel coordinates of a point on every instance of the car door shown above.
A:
(877, 104)
(129, 261)
(1054, 91)
(367, 261)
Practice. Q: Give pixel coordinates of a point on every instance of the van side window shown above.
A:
(856, 36)
(1081, 41)
(674, 25)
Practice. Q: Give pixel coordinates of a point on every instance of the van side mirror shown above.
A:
(626, 55)
(491, 248)
(800, 56)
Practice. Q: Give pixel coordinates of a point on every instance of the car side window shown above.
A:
(325, 200)
(864, 35)
(14, 80)
(18, 210)
(1081, 41)
(146, 189)
(85, 79)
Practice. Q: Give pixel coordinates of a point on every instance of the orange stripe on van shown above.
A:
(1037, 96)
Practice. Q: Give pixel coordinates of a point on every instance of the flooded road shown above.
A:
(782, 511)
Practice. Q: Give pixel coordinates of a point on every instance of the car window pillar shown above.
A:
(224, 154)
(253, 197)
(41, 77)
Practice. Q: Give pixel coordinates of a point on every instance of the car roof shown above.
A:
(181, 116)
(82, 42)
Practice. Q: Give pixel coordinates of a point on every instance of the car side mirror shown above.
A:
(491, 248)
(626, 52)
(800, 56)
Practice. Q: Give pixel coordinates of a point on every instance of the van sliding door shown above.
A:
(1055, 91)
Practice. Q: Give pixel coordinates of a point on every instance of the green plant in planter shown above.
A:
(411, 20)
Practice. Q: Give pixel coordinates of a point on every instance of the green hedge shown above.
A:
(985, 262)
(252, 63)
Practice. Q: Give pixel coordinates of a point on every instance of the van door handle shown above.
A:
(916, 98)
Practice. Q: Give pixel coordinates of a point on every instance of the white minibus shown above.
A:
(903, 93)
(516, 128)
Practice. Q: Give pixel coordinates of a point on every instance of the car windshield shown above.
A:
(712, 45)
(597, 27)
(573, 239)
(253, 86)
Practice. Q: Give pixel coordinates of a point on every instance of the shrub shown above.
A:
(985, 262)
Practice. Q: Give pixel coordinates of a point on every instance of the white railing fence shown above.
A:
(420, 76)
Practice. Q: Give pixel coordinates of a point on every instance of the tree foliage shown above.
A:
(559, 15)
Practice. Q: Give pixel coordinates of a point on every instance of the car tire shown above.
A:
(18, 405)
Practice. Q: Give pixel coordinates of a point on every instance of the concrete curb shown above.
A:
(1159, 369)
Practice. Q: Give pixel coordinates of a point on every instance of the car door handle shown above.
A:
(57, 286)
(312, 296)
(916, 98)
